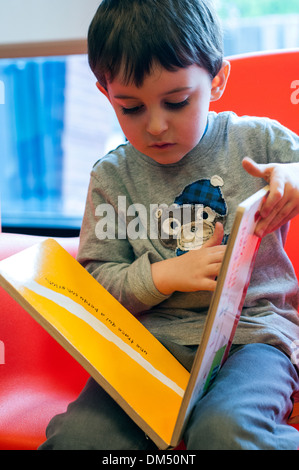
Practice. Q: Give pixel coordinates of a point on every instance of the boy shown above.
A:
(160, 63)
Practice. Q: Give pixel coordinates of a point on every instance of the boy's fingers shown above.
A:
(275, 180)
(209, 285)
(214, 270)
(279, 215)
(258, 170)
(293, 214)
(275, 196)
(217, 236)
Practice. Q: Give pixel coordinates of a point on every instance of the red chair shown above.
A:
(37, 377)
(262, 84)
(267, 84)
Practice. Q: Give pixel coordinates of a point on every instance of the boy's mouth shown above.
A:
(162, 145)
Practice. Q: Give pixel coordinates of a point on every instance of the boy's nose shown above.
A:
(156, 124)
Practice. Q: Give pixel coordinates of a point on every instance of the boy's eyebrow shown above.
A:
(175, 90)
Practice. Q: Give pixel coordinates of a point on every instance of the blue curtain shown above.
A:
(31, 130)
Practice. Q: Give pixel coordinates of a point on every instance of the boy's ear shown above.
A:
(219, 82)
(103, 90)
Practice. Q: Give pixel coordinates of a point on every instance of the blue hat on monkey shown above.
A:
(191, 220)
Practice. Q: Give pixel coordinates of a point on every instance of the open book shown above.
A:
(113, 346)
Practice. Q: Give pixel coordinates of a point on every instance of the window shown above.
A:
(54, 124)
(258, 25)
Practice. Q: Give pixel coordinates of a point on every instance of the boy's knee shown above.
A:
(216, 429)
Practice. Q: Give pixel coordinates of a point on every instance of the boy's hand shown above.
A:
(192, 271)
(282, 202)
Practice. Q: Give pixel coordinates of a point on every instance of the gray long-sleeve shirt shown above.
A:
(123, 229)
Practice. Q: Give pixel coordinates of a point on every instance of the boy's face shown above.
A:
(166, 117)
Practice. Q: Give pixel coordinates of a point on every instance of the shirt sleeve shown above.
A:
(282, 143)
(110, 259)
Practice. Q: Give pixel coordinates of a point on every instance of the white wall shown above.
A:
(45, 20)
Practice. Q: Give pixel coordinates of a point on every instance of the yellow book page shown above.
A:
(126, 355)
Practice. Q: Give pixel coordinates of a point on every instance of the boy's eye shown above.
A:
(134, 110)
(172, 106)
(178, 105)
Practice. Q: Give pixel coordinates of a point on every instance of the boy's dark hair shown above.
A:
(129, 36)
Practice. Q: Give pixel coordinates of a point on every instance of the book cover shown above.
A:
(226, 304)
(114, 347)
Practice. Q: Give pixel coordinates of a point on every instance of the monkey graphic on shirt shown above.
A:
(190, 221)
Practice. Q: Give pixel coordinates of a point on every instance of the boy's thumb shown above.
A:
(217, 236)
